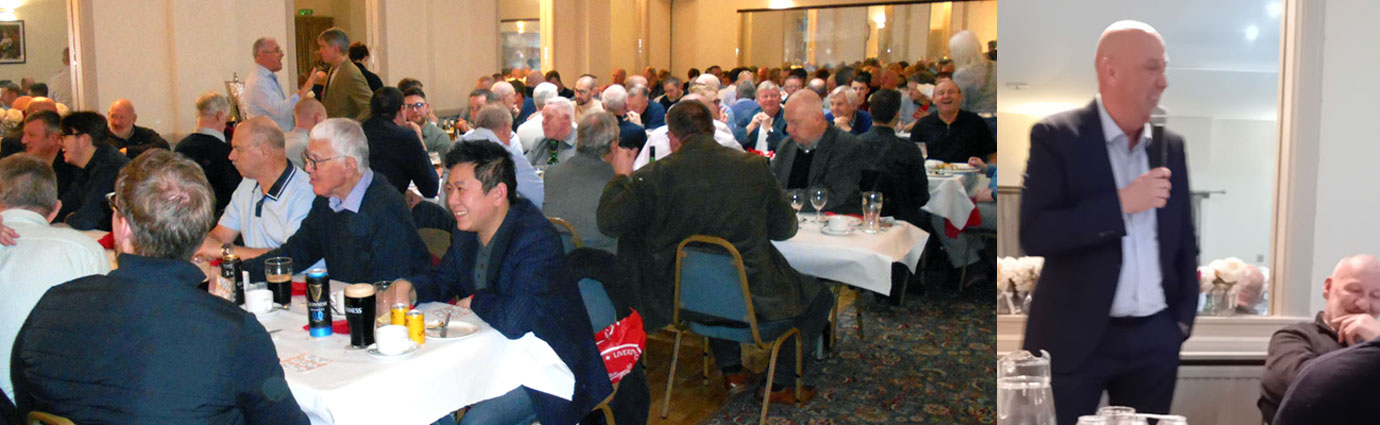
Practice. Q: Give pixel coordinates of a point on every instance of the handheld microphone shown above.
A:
(1159, 156)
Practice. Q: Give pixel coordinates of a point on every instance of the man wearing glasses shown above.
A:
(84, 145)
(358, 223)
(263, 92)
(417, 111)
(395, 147)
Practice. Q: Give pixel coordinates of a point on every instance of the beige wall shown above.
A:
(45, 35)
(445, 44)
(163, 71)
(596, 36)
(519, 9)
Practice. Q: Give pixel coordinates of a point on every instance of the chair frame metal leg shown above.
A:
(771, 370)
(705, 356)
(671, 377)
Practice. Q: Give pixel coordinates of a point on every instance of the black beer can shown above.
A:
(318, 303)
(231, 267)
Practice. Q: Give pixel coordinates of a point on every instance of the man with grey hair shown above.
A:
(585, 103)
(8, 93)
(263, 93)
(507, 96)
(164, 208)
(558, 134)
(844, 112)
(577, 182)
(346, 92)
(129, 138)
(530, 132)
(651, 115)
(209, 148)
(631, 133)
(269, 204)
(494, 123)
(767, 125)
(45, 255)
(743, 109)
(359, 223)
(818, 86)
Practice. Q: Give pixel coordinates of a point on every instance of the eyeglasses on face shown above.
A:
(110, 199)
(313, 163)
(416, 105)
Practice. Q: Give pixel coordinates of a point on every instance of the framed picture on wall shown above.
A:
(12, 48)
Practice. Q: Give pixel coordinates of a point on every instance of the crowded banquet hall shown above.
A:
(498, 212)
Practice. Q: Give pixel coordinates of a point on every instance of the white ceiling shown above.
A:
(1214, 69)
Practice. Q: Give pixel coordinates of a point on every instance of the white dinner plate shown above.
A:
(412, 348)
(457, 329)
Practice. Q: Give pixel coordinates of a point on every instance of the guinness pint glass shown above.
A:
(360, 313)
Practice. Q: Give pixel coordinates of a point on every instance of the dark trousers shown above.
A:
(1136, 362)
(811, 322)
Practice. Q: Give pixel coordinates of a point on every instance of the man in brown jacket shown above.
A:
(346, 93)
(707, 189)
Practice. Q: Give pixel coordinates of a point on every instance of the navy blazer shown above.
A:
(1071, 215)
(398, 155)
(777, 132)
(529, 289)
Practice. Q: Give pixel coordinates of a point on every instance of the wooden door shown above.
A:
(308, 27)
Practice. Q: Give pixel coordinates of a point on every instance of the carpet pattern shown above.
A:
(930, 361)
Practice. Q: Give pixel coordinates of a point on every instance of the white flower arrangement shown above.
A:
(1225, 271)
(1021, 272)
(13, 120)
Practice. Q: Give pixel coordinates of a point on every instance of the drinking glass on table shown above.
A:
(278, 270)
(797, 198)
(819, 197)
(872, 212)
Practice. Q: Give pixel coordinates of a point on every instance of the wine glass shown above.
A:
(797, 198)
(819, 197)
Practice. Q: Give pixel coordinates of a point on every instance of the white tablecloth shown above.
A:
(441, 377)
(858, 259)
(950, 200)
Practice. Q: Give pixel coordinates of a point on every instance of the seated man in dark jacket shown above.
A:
(127, 137)
(359, 222)
(210, 149)
(1347, 320)
(895, 167)
(506, 262)
(143, 344)
(951, 134)
(84, 145)
(395, 149)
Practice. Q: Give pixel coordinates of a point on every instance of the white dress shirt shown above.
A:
(45, 257)
(264, 96)
(1139, 288)
(662, 141)
(60, 87)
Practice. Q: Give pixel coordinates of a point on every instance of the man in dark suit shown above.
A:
(159, 350)
(1108, 209)
(209, 148)
(707, 189)
(765, 126)
(819, 154)
(346, 92)
(396, 152)
(506, 263)
(895, 167)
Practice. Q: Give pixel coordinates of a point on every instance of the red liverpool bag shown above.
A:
(621, 344)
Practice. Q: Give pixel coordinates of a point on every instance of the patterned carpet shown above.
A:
(930, 361)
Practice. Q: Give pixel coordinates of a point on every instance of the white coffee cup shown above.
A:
(258, 300)
(391, 339)
(839, 223)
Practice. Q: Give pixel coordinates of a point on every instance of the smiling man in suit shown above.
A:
(1108, 208)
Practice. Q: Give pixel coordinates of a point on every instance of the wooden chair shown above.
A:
(437, 241)
(569, 237)
(40, 418)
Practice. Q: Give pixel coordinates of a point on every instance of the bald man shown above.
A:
(819, 155)
(131, 139)
(1347, 319)
(952, 134)
(307, 114)
(1119, 290)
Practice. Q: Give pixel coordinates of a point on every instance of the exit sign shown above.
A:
(305, 12)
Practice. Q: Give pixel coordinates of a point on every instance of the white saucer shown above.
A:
(457, 329)
(827, 231)
(412, 348)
